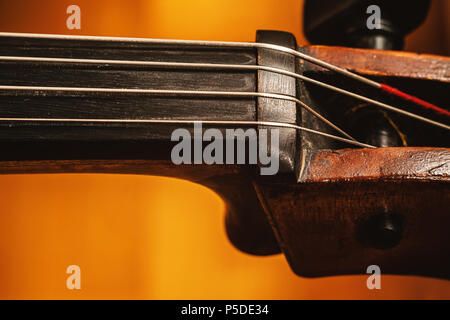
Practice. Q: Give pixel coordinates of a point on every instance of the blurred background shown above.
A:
(138, 237)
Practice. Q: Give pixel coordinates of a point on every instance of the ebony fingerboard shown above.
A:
(35, 141)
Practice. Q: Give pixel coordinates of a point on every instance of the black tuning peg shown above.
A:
(345, 22)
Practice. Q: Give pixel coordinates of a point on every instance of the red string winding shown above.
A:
(408, 97)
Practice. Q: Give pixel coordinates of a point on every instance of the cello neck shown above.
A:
(31, 140)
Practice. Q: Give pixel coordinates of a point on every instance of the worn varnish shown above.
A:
(342, 192)
(321, 211)
(385, 63)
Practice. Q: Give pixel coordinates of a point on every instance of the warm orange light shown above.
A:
(138, 237)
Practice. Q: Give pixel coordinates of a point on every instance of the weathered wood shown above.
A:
(424, 76)
(319, 221)
(324, 224)
(377, 164)
(278, 110)
(385, 63)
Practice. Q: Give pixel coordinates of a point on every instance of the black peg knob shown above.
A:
(343, 23)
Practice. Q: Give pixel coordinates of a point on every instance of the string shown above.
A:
(237, 67)
(183, 93)
(183, 121)
(200, 65)
(382, 87)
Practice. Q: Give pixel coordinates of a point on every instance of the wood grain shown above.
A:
(320, 223)
(314, 216)
(385, 63)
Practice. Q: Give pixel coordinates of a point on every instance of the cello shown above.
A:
(313, 208)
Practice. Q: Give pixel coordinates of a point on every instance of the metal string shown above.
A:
(204, 93)
(385, 88)
(219, 44)
(184, 93)
(237, 67)
(182, 121)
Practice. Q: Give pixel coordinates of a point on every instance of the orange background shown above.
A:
(150, 237)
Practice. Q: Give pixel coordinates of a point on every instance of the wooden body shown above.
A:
(314, 211)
